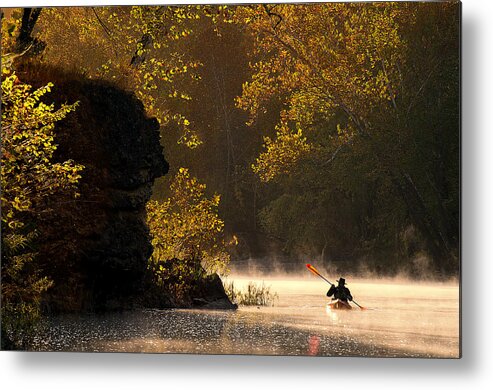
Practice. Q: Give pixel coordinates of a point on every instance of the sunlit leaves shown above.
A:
(321, 59)
(186, 226)
(350, 76)
(30, 181)
(29, 176)
(188, 135)
(10, 31)
(282, 153)
(137, 47)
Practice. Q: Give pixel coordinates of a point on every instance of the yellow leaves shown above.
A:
(21, 204)
(234, 240)
(7, 87)
(216, 199)
(282, 153)
(339, 130)
(106, 52)
(6, 67)
(29, 178)
(13, 224)
(188, 138)
(10, 31)
(186, 225)
(320, 60)
(326, 53)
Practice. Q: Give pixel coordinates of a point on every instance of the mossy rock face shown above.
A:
(100, 243)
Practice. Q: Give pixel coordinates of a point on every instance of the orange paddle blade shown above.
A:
(313, 269)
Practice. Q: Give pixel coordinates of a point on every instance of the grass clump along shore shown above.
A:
(254, 295)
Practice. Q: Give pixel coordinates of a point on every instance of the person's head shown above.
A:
(341, 282)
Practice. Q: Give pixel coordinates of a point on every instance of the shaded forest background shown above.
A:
(379, 193)
(327, 133)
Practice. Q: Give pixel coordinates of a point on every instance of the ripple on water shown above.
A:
(204, 332)
(407, 327)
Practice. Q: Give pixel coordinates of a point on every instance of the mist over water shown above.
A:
(417, 317)
(274, 266)
(404, 319)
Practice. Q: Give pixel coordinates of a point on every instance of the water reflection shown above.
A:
(331, 313)
(294, 327)
(313, 345)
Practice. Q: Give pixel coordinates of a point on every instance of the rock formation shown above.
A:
(96, 247)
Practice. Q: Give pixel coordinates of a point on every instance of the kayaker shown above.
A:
(340, 291)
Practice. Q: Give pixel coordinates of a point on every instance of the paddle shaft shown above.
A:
(312, 268)
(328, 281)
(357, 304)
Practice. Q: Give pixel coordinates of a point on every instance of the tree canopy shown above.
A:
(359, 79)
(301, 130)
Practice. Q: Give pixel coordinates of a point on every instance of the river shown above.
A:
(402, 319)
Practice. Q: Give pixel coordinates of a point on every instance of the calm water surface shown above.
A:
(404, 319)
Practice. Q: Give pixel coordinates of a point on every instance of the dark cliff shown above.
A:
(97, 246)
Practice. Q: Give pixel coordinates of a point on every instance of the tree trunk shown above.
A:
(29, 18)
(139, 58)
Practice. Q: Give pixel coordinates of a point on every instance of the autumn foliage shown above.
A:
(327, 130)
(187, 235)
(31, 183)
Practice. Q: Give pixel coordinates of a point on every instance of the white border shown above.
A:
(134, 371)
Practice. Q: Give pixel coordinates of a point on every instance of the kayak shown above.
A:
(337, 304)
